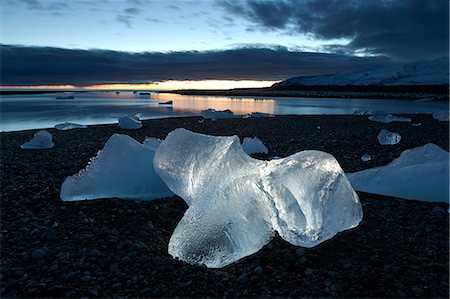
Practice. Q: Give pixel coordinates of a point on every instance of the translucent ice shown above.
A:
(152, 143)
(41, 140)
(122, 169)
(388, 118)
(253, 145)
(69, 126)
(366, 157)
(441, 115)
(420, 173)
(215, 115)
(129, 122)
(237, 202)
(260, 115)
(388, 138)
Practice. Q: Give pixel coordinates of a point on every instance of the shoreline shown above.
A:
(110, 247)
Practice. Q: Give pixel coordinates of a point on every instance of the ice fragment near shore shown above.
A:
(69, 126)
(215, 115)
(41, 140)
(386, 137)
(366, 157)
(260, 115)
(420, 173)
(237, 202)
(388, 118)
(253, 145)
(441, 115)
(128, 122)
(122, 169)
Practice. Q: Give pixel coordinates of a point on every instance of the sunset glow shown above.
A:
(165, 85)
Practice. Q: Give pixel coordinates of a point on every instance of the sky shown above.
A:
(251, 43)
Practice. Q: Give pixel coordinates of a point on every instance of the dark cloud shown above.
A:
(404, 29)
(42, 65)
(125, 20)
(133, 11)
(44, 5)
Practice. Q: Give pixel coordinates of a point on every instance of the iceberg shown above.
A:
(441, 115)
(69, 126)
(215, 115)
(254, 145)
(236, 203)
(366, 157)
(421, 173)
(122, 169)
(388, 118)
(260, 115)
(128, 122)
(388, 138)
(41, 140)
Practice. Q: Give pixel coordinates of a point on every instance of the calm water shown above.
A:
(22, 112)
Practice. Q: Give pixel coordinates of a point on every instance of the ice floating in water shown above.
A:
(441, 115)
(41, 140)
(152, 143)
(388, 138)
(128, 122)
(366, 157)
(388, 118)
(215, 115)
(122, 169)
(420, 173)
(166, 103)
(260, 115)
(361, 112)
(253, 145)
(236, 202)
(69, 126)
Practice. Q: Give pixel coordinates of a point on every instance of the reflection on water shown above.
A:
(21, 112)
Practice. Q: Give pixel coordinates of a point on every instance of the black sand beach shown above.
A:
(118, 248)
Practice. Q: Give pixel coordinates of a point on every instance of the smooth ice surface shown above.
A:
(441, 115)
(237, 202)
(420, 173)
(128, 122)
(386, 137)
(41, 140)
(122, 169)
(69, 126)
(215, 115)
(253, 145)
(388, 118)
(366, 157)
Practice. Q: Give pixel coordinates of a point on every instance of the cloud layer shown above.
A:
(57, 66)
(403, 29)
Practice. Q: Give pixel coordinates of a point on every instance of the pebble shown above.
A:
(418, 292)
(38, 254)
(300, 252)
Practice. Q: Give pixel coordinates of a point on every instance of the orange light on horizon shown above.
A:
(163, 85)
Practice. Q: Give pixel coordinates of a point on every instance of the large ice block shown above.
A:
(420, 173)
(237, 202)
(41, 140)
(388, 118)
(219, 114)
(122, 169)
(128, 122)
(69, 126)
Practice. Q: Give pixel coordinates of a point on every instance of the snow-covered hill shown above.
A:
(429, 72)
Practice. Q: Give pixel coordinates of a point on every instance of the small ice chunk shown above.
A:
(441, 115)
(361, 112)
(254, 145)
(260, 115)
(129, 122)
(386, 137)
(69, 126)
(41, 140)
(388, 118)
(152, 143)
(421, 173)
(122, 169)
(366, 157)
(215, 115)
(237, 202)
(166, 103)
(416, 124)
